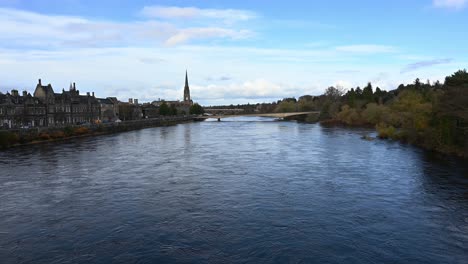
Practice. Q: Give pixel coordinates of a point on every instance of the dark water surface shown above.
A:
(232, 192)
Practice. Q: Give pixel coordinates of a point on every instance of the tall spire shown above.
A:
(186, 89)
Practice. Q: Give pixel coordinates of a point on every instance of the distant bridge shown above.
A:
(274, 115)
(224, 111)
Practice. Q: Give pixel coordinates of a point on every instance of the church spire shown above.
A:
(186, 89)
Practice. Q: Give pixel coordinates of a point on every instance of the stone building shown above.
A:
(149, 110)
(21, 110)
(47, 108)
(130, 111)
(109, 109)
(68, 107)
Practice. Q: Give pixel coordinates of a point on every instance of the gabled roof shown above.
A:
(104, 101)
(47, 88)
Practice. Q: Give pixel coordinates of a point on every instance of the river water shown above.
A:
(242, 191)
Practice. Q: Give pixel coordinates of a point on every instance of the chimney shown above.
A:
(93, 94)
(74, 87)
(130, 100)
(135, 101)
(40, 82)
(87, 93)
(14, 92)
(25, 93)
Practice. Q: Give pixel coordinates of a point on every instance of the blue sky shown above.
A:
(235, 51)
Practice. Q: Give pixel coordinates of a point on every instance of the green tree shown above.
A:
(351, 96)
(173, 110)
(378, 92)
(333, 93)
(292, 99)
(286, 107)
(378, 95)
(417, 83)
(358, 92)
(368, 93)
(459, 78)
(306, 103)
(349, 116)
(196, 109)
(375, 114)
(414, 110)
(164, 109)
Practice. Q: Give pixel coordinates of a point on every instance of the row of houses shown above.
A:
(46, 108)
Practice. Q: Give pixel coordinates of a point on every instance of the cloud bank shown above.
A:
(450, 4)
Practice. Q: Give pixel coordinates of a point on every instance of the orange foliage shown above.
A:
(44, 136)
(81, 130)
(58, 134)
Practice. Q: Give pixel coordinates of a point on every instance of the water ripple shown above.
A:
(234, 192)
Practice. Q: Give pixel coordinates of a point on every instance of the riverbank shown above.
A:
(433, 116)
(21, 137)
(386, 132)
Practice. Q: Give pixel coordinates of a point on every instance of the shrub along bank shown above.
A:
(10, 138)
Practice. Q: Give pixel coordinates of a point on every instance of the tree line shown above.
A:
(431, 115)
(171, 110)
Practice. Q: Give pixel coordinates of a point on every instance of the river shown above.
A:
(248, 190)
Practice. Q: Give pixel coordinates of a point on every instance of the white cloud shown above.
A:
(450, 4)
(253, 91)
(367, 49)
(174, 12)
(20, 29)
(185, 35)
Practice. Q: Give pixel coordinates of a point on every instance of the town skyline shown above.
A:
(46, 107)
(235, 52)
(85, 91)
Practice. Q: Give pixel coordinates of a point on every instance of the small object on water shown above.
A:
(367, 137)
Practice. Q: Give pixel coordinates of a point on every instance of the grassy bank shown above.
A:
(14, 138)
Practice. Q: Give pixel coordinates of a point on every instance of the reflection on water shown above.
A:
(240, 190)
